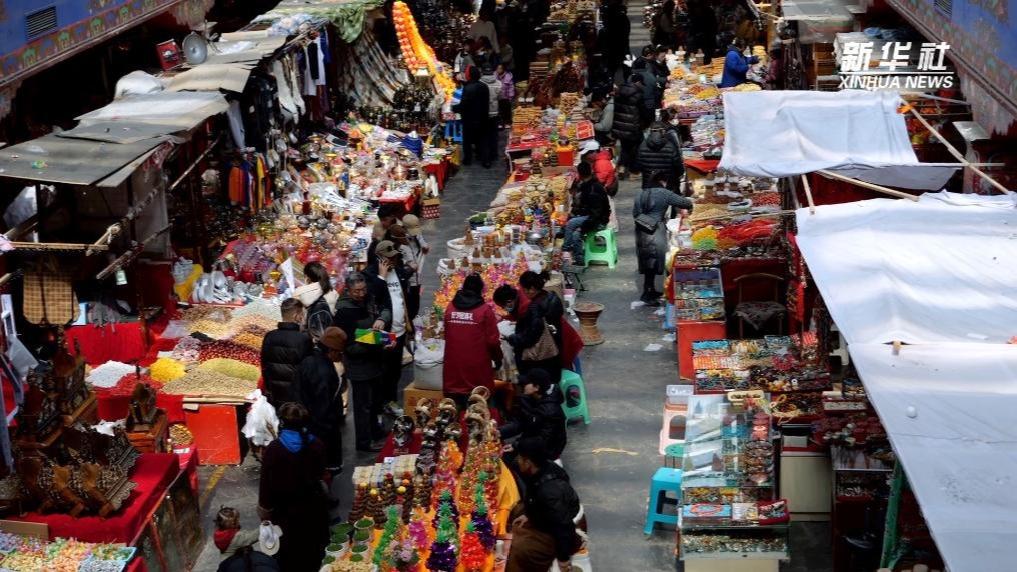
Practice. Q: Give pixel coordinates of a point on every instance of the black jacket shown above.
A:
(282, 350)
(628, 106)
(546, 307)
(317, 389)
(249, 560)
(363, 361)
(591, 201)
(551, 503)
(473, 105)
(540, 416)
(660, 152)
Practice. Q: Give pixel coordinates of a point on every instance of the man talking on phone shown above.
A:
(390, 270)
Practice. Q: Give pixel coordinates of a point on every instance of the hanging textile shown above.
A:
(236, 124)
(48, 296)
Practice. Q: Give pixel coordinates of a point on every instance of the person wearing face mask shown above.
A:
(282, 350)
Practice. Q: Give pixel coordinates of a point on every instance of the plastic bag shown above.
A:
(262, 425)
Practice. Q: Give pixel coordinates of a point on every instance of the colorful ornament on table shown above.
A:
(418, 529)
(473, 555)
(443, 550)
(480, 519)
(447, 500)
(360, 498)
(403, 555)
(406, 483)
(388, 535)
(375, 508)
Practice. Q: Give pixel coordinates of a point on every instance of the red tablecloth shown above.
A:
(114, 407)
(408, 205)
(119, 342)
(703, 165)
(153, 472)
(440, 172)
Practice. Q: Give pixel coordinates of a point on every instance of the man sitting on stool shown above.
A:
(539, 415)
(542, 524)
(590, 211)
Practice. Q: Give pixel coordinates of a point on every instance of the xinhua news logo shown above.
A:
(894, 69)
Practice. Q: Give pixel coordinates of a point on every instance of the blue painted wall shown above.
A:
(12, 19)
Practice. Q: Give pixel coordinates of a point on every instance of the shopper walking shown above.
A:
(539, 414)
(664, 32)
(591, 210)
(472, 109)
(661, 152)
(472, 343)
(282, 350)
(319, 390)
(649, 209)
(490, 136)
(542, 523)
(506, 96)
(366, 307)
(543, 313)
(626, 128)
(318, 297)
(614, 36)
(702, 32)
(291, 492)
(603, 117)
(484, 27)
(388, 268)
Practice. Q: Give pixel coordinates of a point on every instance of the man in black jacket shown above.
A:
(473, 108)
(282, 350)
(364, 305)
(540, 415)
(661, 152)
(544, 531)
(590, 211)
(319, 389)
(628, 113)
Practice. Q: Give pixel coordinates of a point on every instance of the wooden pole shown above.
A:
(52, 246)
(870, 186)
(808, 194)
(957, 154)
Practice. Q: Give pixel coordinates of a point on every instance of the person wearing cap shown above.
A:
(472, 344)
(389, 269)
(319, 389)
(291, 495)
(591, 210)
(603, 165)
(539, 414)
(543, 527)
(364, 305)
(418, 249)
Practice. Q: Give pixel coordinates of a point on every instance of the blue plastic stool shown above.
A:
(601, 246)
(664, 480)
(574, 405)
(454, 130)
(577, 366)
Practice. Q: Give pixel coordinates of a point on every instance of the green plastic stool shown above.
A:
(574, 405)
(673, 455)
(601, 246)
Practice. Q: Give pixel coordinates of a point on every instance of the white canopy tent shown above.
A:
(859, 134)
(939, 275)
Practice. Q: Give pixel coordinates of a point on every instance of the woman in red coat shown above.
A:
(472, 343)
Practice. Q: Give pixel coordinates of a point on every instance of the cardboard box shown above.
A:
(412, 394)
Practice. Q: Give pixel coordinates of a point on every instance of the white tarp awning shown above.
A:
(785, 133)
(959, 450)
(943, 269)
(941, 276)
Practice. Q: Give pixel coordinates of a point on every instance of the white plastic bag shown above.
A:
(262, 425)
(428, 364)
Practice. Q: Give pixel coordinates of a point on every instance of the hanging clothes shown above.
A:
(290, 65)
(236, 184)
(310, 88)
(320, 78)
(236, 124)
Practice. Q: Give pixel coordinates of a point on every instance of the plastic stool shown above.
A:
(664, 480)
(578, 410)
(673, 455)
(454, 131)
(606, 251)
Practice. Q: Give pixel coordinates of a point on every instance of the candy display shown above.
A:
(25, 554)
(772, 364)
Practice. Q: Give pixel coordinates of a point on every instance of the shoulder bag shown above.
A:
(645, 221)
(545, 348)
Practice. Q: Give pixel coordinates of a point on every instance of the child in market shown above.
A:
(228, 536)
(508, 93)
